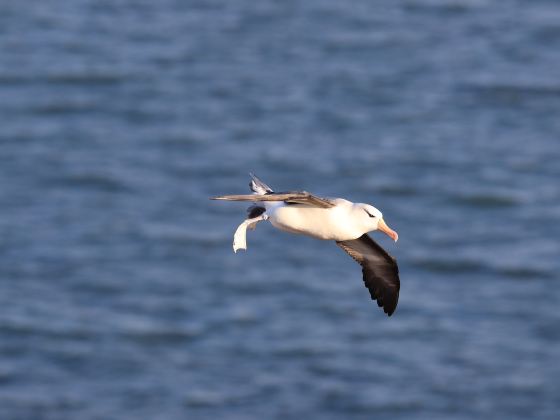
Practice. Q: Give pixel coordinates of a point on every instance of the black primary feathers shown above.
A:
(379, 269)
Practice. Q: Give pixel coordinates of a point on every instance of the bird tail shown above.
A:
(257, 186)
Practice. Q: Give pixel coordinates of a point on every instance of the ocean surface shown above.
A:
(120, 296)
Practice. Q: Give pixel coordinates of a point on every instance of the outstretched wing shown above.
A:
(294, 197)
(380, 270)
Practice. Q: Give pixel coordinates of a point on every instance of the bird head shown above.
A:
(372, 219)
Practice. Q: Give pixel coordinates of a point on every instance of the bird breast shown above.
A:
(328, 224)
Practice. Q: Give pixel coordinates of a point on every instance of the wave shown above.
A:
(487, 200)
(91, 182)
(449, 265)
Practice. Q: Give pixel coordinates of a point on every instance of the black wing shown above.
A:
(296, 197)
(380, 271)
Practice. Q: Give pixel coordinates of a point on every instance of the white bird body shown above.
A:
(335, 223)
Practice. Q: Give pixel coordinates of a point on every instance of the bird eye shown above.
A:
(368, 213)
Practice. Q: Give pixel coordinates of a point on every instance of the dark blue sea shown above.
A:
(120, 295)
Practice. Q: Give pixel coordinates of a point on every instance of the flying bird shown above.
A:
(336, 219)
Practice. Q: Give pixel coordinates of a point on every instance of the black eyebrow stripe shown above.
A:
(370, 215)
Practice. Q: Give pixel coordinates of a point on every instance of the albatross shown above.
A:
(336, 219)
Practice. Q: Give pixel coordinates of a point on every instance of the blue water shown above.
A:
(120, 295)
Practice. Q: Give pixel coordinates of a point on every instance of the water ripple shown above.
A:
(120, 294)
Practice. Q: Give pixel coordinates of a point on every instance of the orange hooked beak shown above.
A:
(382, 226)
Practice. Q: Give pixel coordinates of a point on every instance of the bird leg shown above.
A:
(240, 236)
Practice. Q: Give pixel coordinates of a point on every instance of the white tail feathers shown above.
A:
(240, 236)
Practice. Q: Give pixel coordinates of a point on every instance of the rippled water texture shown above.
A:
(121, 297)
